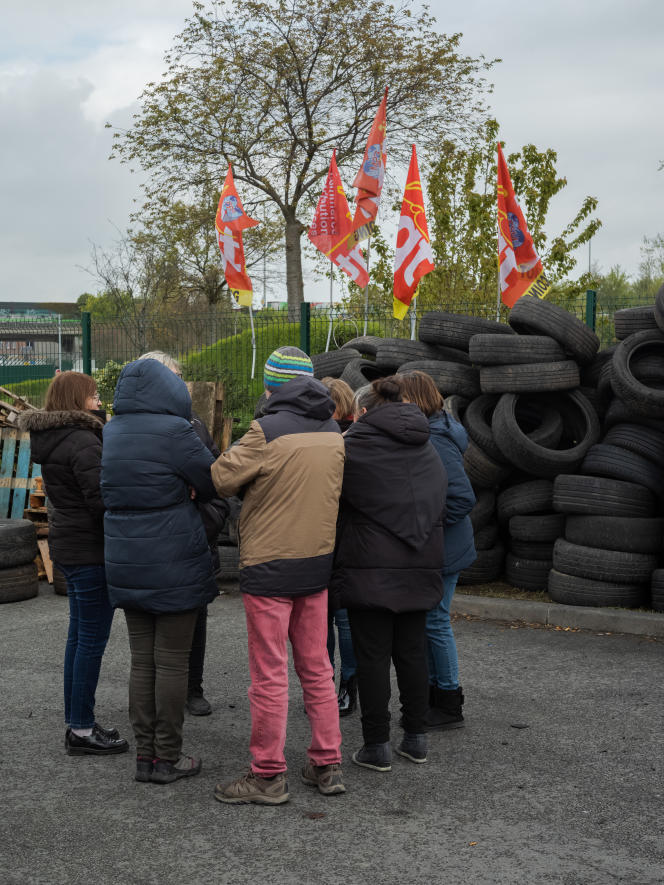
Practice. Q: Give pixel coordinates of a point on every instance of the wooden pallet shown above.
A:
(17, 473)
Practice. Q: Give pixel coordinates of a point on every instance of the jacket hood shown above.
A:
(304, 396)
(402, 421)
(444, 424)
(148, 386)
(48, 429)
(39, 419)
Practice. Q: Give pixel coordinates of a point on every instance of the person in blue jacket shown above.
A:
(450, 440)
(158, 563)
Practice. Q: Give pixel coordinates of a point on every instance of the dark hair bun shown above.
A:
(388, 389)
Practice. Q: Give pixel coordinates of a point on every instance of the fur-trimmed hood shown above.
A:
(39, 419)
(49, 429)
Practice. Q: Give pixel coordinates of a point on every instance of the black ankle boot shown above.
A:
(347, 698)
(446, 710)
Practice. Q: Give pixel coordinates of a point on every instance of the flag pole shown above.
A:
(329, 328)
(498, 274)
(366, 290)
(253, 343)
(412, 318)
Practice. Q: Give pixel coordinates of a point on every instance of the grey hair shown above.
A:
(165, 358)
(362, 398)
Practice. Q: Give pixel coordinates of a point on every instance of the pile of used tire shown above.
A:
(548, 416)
(18, 570)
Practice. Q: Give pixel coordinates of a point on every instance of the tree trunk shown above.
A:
(294, 283)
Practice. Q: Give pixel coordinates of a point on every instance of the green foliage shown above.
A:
(272, 86)
(34, 390)
(185, 231)
(107, 379)
(230, 359)
(462, 220)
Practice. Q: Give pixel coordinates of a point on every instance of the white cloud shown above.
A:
(582, 78)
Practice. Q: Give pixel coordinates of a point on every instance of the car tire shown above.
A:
(18, 542)
(19, 582)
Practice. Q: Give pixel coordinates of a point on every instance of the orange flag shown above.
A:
(331, 230)
(521, 271)
(230, 221)
(369, 180)
(413, 258)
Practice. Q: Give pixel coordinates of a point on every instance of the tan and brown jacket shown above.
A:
(290, 464)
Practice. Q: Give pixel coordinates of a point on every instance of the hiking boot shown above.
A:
(165, 772)
(328, 778)
(144, 766)
(197, 705)
(413, 747)
(378, 757)
(445, 713)
(347, 697)
(256, 789)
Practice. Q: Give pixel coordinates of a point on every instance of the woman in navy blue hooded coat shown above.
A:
(158, 563)
(450, 440)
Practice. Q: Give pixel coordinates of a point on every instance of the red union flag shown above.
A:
(369, 180)
(331, 230)
(230, 221)
(413, 258)
(521, 271)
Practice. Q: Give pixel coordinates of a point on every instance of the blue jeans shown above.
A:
(90, 618)
(346, 653)
(443, 661)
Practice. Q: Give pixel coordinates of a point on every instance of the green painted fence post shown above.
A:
(86, 329)
(591, 308)
(305, 327)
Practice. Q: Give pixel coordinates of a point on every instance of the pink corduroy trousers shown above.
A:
(271, 622)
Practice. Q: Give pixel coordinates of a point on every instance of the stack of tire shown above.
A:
(18, 571)
(531, 395)
(614, 533)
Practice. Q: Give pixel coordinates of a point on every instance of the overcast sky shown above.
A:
(584, 78)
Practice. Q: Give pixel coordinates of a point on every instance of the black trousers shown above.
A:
(197, 654)
(379, 637)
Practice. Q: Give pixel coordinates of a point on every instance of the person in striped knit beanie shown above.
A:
(284, 365)
(290, 467)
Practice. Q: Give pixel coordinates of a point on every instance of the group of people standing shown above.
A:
(354, 512)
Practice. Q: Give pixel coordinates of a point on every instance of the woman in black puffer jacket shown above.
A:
(65, 438)
(388, 560)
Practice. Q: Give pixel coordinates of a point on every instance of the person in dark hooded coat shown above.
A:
(388, 560)
(450, 440)
(158, 562)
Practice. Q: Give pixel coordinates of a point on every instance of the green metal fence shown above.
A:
(220, 345)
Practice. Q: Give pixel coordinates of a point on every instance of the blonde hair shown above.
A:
(165, 358)
(342, 395)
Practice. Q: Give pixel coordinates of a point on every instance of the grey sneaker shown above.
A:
(252, 788)
(378, 757)
(413, 747)
(328, 778)
(165, 772)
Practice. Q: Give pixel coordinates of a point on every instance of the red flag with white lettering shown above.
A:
(414, 257)
(331, 230)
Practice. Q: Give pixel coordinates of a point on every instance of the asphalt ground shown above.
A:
(556, 778)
